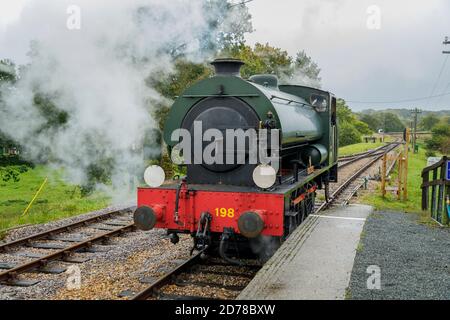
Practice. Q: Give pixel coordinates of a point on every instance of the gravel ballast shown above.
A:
(413, 259)
(118, 266)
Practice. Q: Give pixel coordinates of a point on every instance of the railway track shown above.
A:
(202, 277)
(199, 277)
(342, 192)
(348, 160)
(350, 156)
(60, 244)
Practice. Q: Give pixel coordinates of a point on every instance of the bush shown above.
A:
(430, 153)
(362, 127)
(14, 161)
(12, 173)
(348, 134)
(440, 140)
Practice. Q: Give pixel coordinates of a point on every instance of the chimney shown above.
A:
(228, 67)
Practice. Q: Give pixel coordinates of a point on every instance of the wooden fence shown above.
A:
(439, 185)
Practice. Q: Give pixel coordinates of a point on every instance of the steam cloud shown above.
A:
(97, 76)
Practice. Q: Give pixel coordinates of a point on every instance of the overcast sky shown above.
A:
(400, 60)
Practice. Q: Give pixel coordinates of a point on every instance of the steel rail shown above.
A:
(358, 173)
(11, 274)
(365, 156)
(150, 291)
(351, 156)
(66, 228)
(368, 154)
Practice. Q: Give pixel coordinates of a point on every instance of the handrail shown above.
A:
(435, 166)
(440, 190)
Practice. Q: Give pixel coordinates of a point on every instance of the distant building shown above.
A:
(10, 151)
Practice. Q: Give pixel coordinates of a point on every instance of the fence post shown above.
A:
(400, 174)
(383, 176)
(425, 190)
(441, 197)
(446, 211)
(405, 165)
(433, 194)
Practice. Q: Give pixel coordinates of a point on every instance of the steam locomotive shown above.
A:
(243, 206)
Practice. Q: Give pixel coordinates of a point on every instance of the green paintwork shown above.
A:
(325, 118)
(296, 119)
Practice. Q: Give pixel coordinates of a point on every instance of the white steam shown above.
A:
(97, 76)
(301, 77)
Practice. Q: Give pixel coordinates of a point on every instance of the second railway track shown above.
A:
(40, 250)
(343, 191)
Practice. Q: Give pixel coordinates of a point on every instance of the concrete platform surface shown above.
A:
(316, 262)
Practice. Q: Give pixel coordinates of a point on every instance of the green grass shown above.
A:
(358, 148)
(348, 294)
(417, 162)
(57, 199)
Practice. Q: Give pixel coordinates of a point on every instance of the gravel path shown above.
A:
(414, 259)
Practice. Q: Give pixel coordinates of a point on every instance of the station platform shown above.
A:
(316, 261)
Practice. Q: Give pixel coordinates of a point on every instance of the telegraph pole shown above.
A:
(415, 112)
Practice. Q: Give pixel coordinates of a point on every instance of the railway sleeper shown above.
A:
(167, 296)
(20, 283)
(185, 283)
(7, 266)
(225, 273)
(51, 270)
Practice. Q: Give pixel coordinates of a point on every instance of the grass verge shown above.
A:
(417, 162)
(358, 148)
(57, 199)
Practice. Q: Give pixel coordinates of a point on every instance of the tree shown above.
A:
(7, 71)
(266, 59)
(13, 173)
(10, 167)
(262, 59)
(54, 116)
(362, 127)
(344, 113)
(306, 68)
(348, 135)
(372, 121)
(392, 123)
(350, 127)
(230, 21)
(8, 77)
(185, 74)
(440, 139)
(428, 122)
